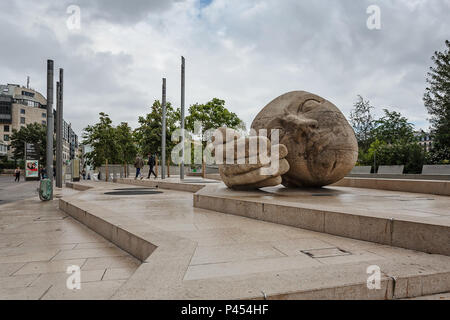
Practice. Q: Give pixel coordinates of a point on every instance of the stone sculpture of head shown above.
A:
(321, 144)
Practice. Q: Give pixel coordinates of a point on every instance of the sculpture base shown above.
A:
(407, 220)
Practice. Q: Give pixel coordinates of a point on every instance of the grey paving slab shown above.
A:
(204, 254)
(37, 244)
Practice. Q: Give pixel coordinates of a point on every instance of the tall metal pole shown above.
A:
(59, 130)
(57, 101)
(49, 151)
(163, 135)
(182, 116)
(183, 71)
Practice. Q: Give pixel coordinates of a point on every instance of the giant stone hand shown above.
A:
(248, 162)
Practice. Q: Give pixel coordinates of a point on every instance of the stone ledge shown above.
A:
(77, 186)
(384, 228)
(161, 275)
(437, 187)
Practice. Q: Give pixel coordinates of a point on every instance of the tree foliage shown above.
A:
(125, 142)
(120, 144)
(363, 123)
(212, 115)
(393, 128)
(34, 133)
(109, 143)
(149, 133)
(437, 102)
(389, 140)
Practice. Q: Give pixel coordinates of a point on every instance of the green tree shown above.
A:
(125, 143)
(437, 102)
(212, 115)
(395, 144)
(409, 154)
(148, 134)
(102, 138)
(35, 133)
(392, 128)
(363, 123)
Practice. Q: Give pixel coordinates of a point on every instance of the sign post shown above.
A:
(31, 162)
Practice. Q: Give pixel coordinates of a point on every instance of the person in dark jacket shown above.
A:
(151, 164)
(17, 174)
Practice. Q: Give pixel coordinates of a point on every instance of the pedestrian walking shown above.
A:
(151, 164)
(17, 174)
(138, 164)
(83, 173)
(42, 172)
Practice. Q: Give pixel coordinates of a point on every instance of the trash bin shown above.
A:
(45, 190)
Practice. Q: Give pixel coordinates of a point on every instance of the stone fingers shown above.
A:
(257, 175)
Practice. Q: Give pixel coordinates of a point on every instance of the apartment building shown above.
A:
(20, 106)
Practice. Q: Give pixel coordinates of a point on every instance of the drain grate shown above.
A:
(132, 193)
(326, 252)
(50, 218)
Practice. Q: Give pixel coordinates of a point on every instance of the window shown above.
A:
(22, 120)
(29, 94)
(44, 115)
(6, 129)
(6, 137)
(22, 111)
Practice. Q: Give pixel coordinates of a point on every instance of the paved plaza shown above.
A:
(203, 250)
(37, 244)
(138, 240)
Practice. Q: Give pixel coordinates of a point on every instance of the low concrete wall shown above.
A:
(401, 176)
(361, 170)
(436, 169)
(120, 236)
(390, 169)
(437, 187)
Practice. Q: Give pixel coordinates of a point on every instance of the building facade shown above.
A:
(3, 149)
(425, 140)
(20, 106)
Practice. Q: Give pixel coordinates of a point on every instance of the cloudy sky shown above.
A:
(246, 52)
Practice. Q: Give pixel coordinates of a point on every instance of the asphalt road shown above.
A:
(11, 191)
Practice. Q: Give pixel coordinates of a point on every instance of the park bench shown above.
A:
(440, 169)
(390, 169)
(361, 170)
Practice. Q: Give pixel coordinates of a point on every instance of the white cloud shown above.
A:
(245, 52)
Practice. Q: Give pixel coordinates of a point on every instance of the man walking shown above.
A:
(151, 164)
(17, 174)
(138, 164)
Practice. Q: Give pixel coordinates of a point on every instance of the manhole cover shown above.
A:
(131, 193)
(326, 252)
